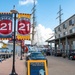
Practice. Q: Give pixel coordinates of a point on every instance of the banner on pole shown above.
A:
(5, 26)
(24, 26)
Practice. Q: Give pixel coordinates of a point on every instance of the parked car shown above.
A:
(31, 50)
(36, 56)
(48, 52)
(71, 54)
(1, 59)
(58, 52)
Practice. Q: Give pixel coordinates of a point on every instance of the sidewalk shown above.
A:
(6, 66)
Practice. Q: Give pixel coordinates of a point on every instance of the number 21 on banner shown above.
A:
(5, 27)
(23, 27)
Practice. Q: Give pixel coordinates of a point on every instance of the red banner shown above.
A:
(5, 27)
(23, 27)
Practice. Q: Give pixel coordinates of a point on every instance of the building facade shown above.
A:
(65, 35)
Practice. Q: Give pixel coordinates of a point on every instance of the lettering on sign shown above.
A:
(5, 27)
(23, 26)
(37, 64)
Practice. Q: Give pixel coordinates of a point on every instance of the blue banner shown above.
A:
(6, 25)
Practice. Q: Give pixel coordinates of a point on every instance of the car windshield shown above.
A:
(33, 48)
(37, 55)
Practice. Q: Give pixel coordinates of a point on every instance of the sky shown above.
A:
(45, 14)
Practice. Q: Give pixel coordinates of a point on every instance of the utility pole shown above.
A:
(60, 14)
(33, 25)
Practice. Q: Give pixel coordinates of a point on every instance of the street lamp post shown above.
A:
(14, 38)
(21, 50)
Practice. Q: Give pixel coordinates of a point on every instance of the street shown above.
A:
(60, 66)
(56, 66)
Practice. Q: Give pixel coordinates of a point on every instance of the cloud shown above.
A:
(42, 34)
(25, 2)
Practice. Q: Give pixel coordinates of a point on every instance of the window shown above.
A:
(73, 30)
(71, 22)
(70, 30)
(59, 35)
(55, 31)
(64, 26)
(64, 33)
(56, 36)
(59, 29)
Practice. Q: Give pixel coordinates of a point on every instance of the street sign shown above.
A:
(5, 27)
(37, 67)
(23, 26)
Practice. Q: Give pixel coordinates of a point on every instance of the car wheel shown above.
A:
(71, 57)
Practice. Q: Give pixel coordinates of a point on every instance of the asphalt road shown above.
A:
(56, 66)
(60, 66)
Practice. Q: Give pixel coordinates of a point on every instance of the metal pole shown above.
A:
(21, 51)
(66, 48)
(13, 66)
